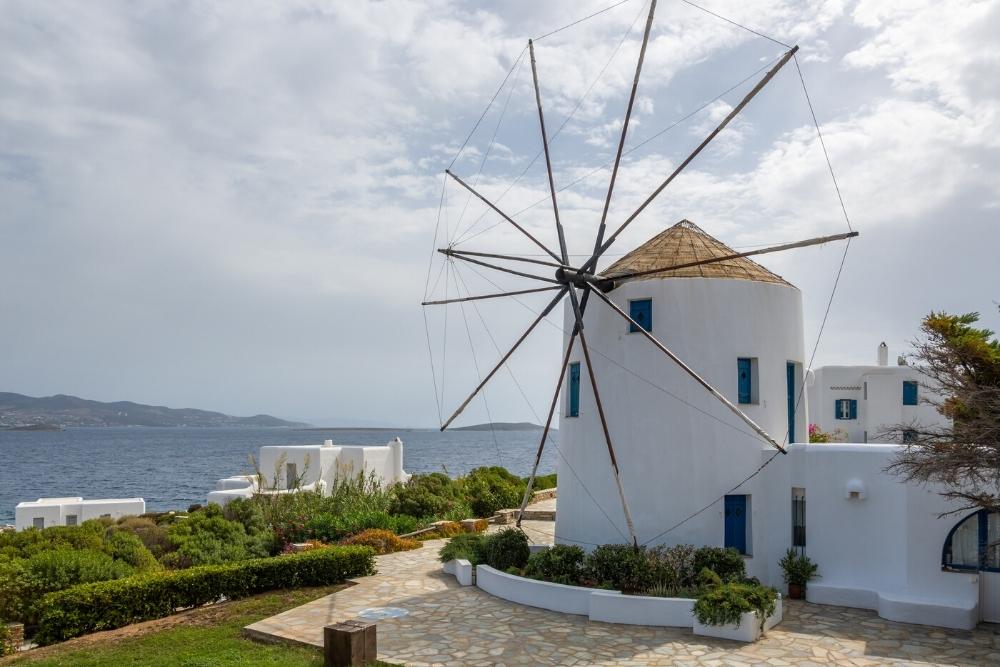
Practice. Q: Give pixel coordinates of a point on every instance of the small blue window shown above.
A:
(574, 389)
(845, 408)
(909, 392)
(641, 310)
(744, 366)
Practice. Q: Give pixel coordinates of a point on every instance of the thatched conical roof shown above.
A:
(687, 242)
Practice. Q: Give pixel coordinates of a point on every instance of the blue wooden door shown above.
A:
(574, 389)
(790, 381)
(736, 523)
(743, 369)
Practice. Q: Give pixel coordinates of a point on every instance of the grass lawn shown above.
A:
(206, 637)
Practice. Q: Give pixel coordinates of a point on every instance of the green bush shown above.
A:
(488, 490)
(126, 547)
(434, 494)
(620, 566)
(208, 538)
(674, 572)
(23, 582)
(727, 563)
(504, 549)
(23, 544)
(153, 536)
(543, 482)
(725, 603)
(113, 604)
(798, 569)
(328, 527)
(467, 546)
(562, 564)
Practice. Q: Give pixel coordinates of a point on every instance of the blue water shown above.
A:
(174, 467)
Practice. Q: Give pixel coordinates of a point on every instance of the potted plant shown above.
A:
(799, 570)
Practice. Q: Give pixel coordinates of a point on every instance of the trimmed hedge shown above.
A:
(112, 604)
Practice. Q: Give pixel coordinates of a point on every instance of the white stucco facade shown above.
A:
(290, 468)
(684, 458)
(878, 395)
(71, 511)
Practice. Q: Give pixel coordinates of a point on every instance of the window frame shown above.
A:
(571, 396)
(852, 409)
(915, 392)
(649, 325)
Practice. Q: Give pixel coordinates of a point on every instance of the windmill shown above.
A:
(582, 283)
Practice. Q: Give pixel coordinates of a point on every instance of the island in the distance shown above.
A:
(53, 412)
(501, 426)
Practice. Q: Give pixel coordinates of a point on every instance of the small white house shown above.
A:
(291, 468)
(693, 474)
(46, 512)
(862, 403)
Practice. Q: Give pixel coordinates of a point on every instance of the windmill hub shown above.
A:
(580, 279)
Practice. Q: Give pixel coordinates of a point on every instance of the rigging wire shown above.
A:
(531, 407)
(487, 109)
(646, 141)
(738, 25)
(585, 18)
(475, 364)
(576, 107)
(822, 144)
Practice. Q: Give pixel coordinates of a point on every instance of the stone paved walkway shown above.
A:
(452, 625)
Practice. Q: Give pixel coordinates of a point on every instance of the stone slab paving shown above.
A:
(448, 624)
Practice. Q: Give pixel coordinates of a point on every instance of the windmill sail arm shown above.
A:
(503, 360)
(687, 369)
(497, 295)
(496, 267)
(725, 258)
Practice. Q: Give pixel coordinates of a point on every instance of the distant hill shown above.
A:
(502, 426)
(18, 410)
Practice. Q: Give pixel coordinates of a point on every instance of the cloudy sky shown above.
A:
(232, 205)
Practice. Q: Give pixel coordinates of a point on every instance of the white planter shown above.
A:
(641, 610)
(747, 631)
(534, 593)
(462, 569)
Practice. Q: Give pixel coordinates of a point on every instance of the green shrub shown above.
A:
(23, 544)
(725, 603)
(466, 546)
(434, 494)
(113, 604)
(673, 570)
(382, 541)
(208, 538)
(621, 567)
(727, 563)
(128, 548)
(543, 482)
(562, 564)
(491, 489)
(329, 527)
(153, 536)
(504, 549)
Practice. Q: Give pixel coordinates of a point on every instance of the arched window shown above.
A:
(974, 543)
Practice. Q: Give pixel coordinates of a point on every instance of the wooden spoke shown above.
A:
(541, 316)
(725, 258)
(499, 268)
(490, 296)
(504, 216)
(512, 258)
(687, 369)
(548, 160)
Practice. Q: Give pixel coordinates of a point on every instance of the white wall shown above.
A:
(673, 457)
(55, 510)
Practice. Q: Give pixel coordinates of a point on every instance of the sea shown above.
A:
(175, 467)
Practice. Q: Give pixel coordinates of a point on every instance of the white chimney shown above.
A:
(883, 354)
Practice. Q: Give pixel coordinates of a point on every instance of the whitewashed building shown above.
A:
(694, 474)
(47, 512)
(291, 468)
(863, 403)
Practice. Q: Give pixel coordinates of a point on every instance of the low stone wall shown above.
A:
(16, 635)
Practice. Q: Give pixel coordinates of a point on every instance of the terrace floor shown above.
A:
(448, 624)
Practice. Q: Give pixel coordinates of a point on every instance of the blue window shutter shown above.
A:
(854, 409)
(641, 310)
(790, 390)
(743, 367)
(574, 389)
(736, 523)
(909, 392)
